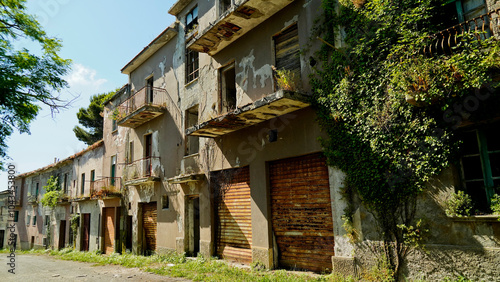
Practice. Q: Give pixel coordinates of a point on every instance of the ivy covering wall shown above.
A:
(371, 66)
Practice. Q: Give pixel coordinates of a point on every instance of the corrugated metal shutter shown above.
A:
(234, 241)
(109, 230)
(149, 212)
(302, 213)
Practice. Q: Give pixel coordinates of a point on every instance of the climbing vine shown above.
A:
(389, 148)
(52, 192)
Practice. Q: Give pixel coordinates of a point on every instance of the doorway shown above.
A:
(62, 234)
(193, 222)
(85, 232)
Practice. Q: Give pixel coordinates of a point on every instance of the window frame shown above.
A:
(190, 148)
(192, 24)
(486, 167)
(192, 65)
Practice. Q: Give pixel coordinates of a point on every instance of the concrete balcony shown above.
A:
(277, 104)
(238, 19)
(107, 187)
(144, 106)
(146, 170)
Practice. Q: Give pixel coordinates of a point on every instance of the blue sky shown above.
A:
(100, 37)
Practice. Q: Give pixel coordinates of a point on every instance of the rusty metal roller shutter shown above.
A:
(109, 230)
(149, 219)
(234, 212)
(302, 212)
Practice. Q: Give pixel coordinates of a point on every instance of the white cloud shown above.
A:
(81, 75)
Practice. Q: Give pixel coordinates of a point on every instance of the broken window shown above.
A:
(228, 88)
(192, 65)
(192, 20)
(192, 142)
(47, 220)
(36, 189)
(16, 216)
(287, 55)
(83, 185)
(112, 170)
(149, 90)
(34, 220)
(481, 165)
(65, 183)
(130, 157)
(224, 5)
(165, 202)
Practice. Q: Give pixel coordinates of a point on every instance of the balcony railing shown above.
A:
(484, 26)
(33, 199)
(145, 105)
(143, 168)
(105, 187)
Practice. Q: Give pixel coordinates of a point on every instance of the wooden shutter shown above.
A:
(286, 46)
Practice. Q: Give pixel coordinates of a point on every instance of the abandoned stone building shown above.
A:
(203, 153)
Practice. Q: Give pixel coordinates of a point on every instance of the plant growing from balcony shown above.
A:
(52, 194)
(286, 79)
(459, 204)
(387, 147)
(495, 205)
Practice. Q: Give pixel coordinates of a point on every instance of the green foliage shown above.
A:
(52, 192)
(287, 79)
(387, 147)
(91, 118)
(495, 204)
(414, 235)
(459, 204)
(27, 80)
(177, 265)
(75, 223)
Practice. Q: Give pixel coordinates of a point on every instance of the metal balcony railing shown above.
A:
(483, 27)
(146, 96)
(105, 187)
(142, 168)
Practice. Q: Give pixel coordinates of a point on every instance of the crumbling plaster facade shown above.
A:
(178, 180)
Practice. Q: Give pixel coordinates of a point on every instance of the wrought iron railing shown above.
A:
(483, 27)
(146, 167)
(152, 96)
(104, 187)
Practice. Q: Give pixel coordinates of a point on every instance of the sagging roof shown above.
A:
(64, 161)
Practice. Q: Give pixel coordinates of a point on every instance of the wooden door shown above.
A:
(302, 212)
(234, 233)
(109, 230)
(85, 231)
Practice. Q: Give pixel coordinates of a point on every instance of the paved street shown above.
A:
(45, 268)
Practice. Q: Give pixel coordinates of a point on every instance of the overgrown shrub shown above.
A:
(459, 204)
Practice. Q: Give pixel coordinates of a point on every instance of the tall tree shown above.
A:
(27, 80)
(91, 119)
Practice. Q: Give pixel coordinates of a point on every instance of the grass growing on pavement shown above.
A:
(177, 265)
